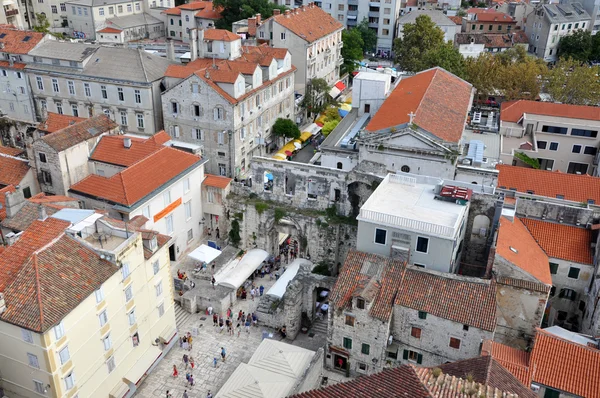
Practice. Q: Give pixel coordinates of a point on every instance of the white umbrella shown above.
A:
(297, 145)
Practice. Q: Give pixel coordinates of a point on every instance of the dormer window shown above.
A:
(360, 303)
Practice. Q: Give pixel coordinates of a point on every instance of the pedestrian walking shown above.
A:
(228, 313)
(185, 394)
(192, 362)
(186, 345)
(254, 319)
(215, 319)
(190, 339)
(240, 315)
(252, 293)
(223, 353)
(247, 326)
(215, 362)
(187, 376)
(169, 395)
(262, 289)
(239, 329)
(185, 360)
(221, 325)
(218, 233)
(213, 280)
(191, 380)
(175, 372)
(209, 395)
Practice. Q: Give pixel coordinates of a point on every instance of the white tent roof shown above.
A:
(282, 358)
(279, 288)
(234, 276)
(248, 381)
(204, 253)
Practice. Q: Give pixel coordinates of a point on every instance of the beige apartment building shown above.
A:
(86, 307)
(561, 137)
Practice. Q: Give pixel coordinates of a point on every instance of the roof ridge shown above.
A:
(142, 62)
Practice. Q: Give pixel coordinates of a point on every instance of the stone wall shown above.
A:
(311, 378)
(559, 212)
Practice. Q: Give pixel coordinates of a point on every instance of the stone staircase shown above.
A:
(181, 316)
(319, 327)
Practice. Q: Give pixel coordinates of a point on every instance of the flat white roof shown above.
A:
(372, 76)
(571, 336)
(400, 202)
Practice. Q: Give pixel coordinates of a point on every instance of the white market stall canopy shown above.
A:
(235, 276)
(279, 288)
(204, 253)
(250, 381)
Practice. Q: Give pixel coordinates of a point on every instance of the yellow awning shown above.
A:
(120, 390)
(305, 136)
(288, 147)
(142, 365)
(280, 156)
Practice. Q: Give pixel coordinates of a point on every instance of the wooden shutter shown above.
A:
(405, 354)
(419, 358)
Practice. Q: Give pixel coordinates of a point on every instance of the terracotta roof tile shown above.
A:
(209, 13)
(220, 35)
(456, 20)
(108, 29)
(516, 245)
(470, 301)
(573, 187)
(17, 41)
(43, 198)
(359, 268)
(38, 235)
(10, 151)
(522, 284)
(520, 37)
(308, 22)
(486, 370)
(111, 148)
(172, 11)
(496, 17)
(12, 170)
(439, 101)
(566, 242)
(52, 282)
(183, 71)
(512, 111)
(513, 359)
(196, 5)
(211, 180)
(139, 180)
(478, 11)
(277, 53)
(79, 132)
(29, 213)
(3, 191)
(55, 122)
(15, 65)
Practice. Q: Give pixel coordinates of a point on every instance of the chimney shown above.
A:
(14, 202)
(2, 304)
(252, 26)
(287, 13)
(200, 38)
(170, 50)
(193, 45)
(276, 11)
(42, 213)
(258, 19)
(127, 142)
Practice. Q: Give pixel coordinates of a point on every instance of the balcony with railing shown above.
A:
(12, 12)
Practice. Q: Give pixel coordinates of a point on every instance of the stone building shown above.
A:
(229, 106)
(194, 15)
(61, 158)
(440, 317)
(489, 22)
(84, 80)
(16, 172)
(214, 191)
(313, 38)
(360, 312)
(120, 30)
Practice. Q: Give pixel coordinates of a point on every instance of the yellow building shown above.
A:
(86, 306)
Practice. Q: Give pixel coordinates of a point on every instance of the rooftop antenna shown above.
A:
(411, 115)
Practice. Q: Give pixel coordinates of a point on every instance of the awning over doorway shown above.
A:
(204, 253)
(279, 288)
(235, 274)
(337, 89)
(142, 365)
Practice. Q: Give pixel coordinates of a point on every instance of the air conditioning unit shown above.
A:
(535, 387)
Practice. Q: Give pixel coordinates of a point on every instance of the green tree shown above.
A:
(332, 114)
(595, 51)
(577, 46)
(446, 56)
(286, 128)
(329, 126)
(235, 10)
(43, 26)
(317, 97)
(417, 39)
(369, 36)
(352, 51)
(482, 72)
(234, 233)
(570, 82)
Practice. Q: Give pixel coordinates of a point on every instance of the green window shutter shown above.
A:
(419, 358)
(553, 268)
(365, 349)
(405, 354)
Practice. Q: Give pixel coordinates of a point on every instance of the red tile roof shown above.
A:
(196, 5)
(573, 187)
(566, 242)
(55, 122)
(516, 245)
(53, 282)
(3, 191)
(38, 235)
(79, 132)
(111, 148)
(496, 17)
(309, 22)
(183, 71)
(43, 198)
(470, 301)
(12, 170)
(139, 180)
(479, 10)
(211, 180)
(512, 111)
(487, 371)
(356, 273)
(220, 35)
(30, 212)
(439, 101)
(407, 381)
(209, 13)
(456, 20)
(10, 151)
(554, 362)
(523, 284)
(108, 29)
(17, 41)
(15, 65)
(173, 11)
